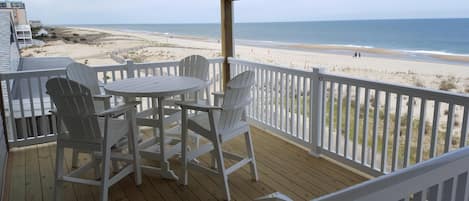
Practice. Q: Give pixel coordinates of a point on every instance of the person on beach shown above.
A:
(355, 55)
(359, 55)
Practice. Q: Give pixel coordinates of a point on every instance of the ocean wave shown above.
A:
(350, 45)
(433, 52)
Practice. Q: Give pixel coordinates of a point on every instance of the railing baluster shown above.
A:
(292, 104)
(271, 102)
(323, 111)
(339, 119)
(466, 196)
(31, 104)
(298, 93)
(53, 118)
(263, 94)
(43, 112)
(287, 91)
(449, 128)
(304, 92)
(258, 88)
(356, 120)
(365, 126)
(282, 102)
(11, 110)
(384, 151)
(276, 112)
(331, 115)
(214, 77)
(347, 120)
(23, 120)
(397, 132)
(422, 122)
(113, 80)
(435, 126)
(220, 76)
(375, 128)
(464, 127)
(409, 127)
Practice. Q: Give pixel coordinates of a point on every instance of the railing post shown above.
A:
(129, 65)
(316, 115)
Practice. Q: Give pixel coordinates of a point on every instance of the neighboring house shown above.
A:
(35, 23)
(20, 20)
(42, 32)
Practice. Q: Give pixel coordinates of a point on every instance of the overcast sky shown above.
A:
(203, 11)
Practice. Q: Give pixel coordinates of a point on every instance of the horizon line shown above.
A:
(288, 21)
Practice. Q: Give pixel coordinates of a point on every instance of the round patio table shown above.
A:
(156, 87)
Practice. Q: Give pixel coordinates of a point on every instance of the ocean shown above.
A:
(426, 36)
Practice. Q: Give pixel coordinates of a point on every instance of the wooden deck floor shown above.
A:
(282, 167)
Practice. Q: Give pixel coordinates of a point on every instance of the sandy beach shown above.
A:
(95, 47)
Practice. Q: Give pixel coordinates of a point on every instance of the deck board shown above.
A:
(282, 167)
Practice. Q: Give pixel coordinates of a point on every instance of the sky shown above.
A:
(207, 11)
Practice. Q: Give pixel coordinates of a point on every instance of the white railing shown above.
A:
(313, 108)
(442, 178)
(282, 99)
(434, 123)
(27, 105)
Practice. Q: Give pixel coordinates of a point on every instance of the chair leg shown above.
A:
(133, 148)
(115, 166)
(106, 173)
(221, 170)
(250, 151)
(184, 150)
(75, 158)
(59, 163)
(213, 160)
(97, 171)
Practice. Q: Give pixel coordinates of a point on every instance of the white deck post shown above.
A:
(130, 68)
(315, 124)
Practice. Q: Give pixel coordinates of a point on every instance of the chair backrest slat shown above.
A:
(75, 109)
(84, 75)
(195, 66)
(236, 98)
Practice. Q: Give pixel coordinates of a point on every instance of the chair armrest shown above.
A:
(218, 93)
(217, 97)
(118, 110)
(197, 106)
(53, 111)
(100, 97)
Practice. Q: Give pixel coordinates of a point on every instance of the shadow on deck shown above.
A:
(282, 167)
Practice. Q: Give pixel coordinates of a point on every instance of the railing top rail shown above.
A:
(400, 176)
(26, 74)
(98, 68)
(271, 67)
(109, 67)
(431, 94)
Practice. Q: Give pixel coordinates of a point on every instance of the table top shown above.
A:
(156, 86)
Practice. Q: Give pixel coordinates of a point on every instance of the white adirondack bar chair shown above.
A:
(86, 76)
(220, 124)
(85, 129)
